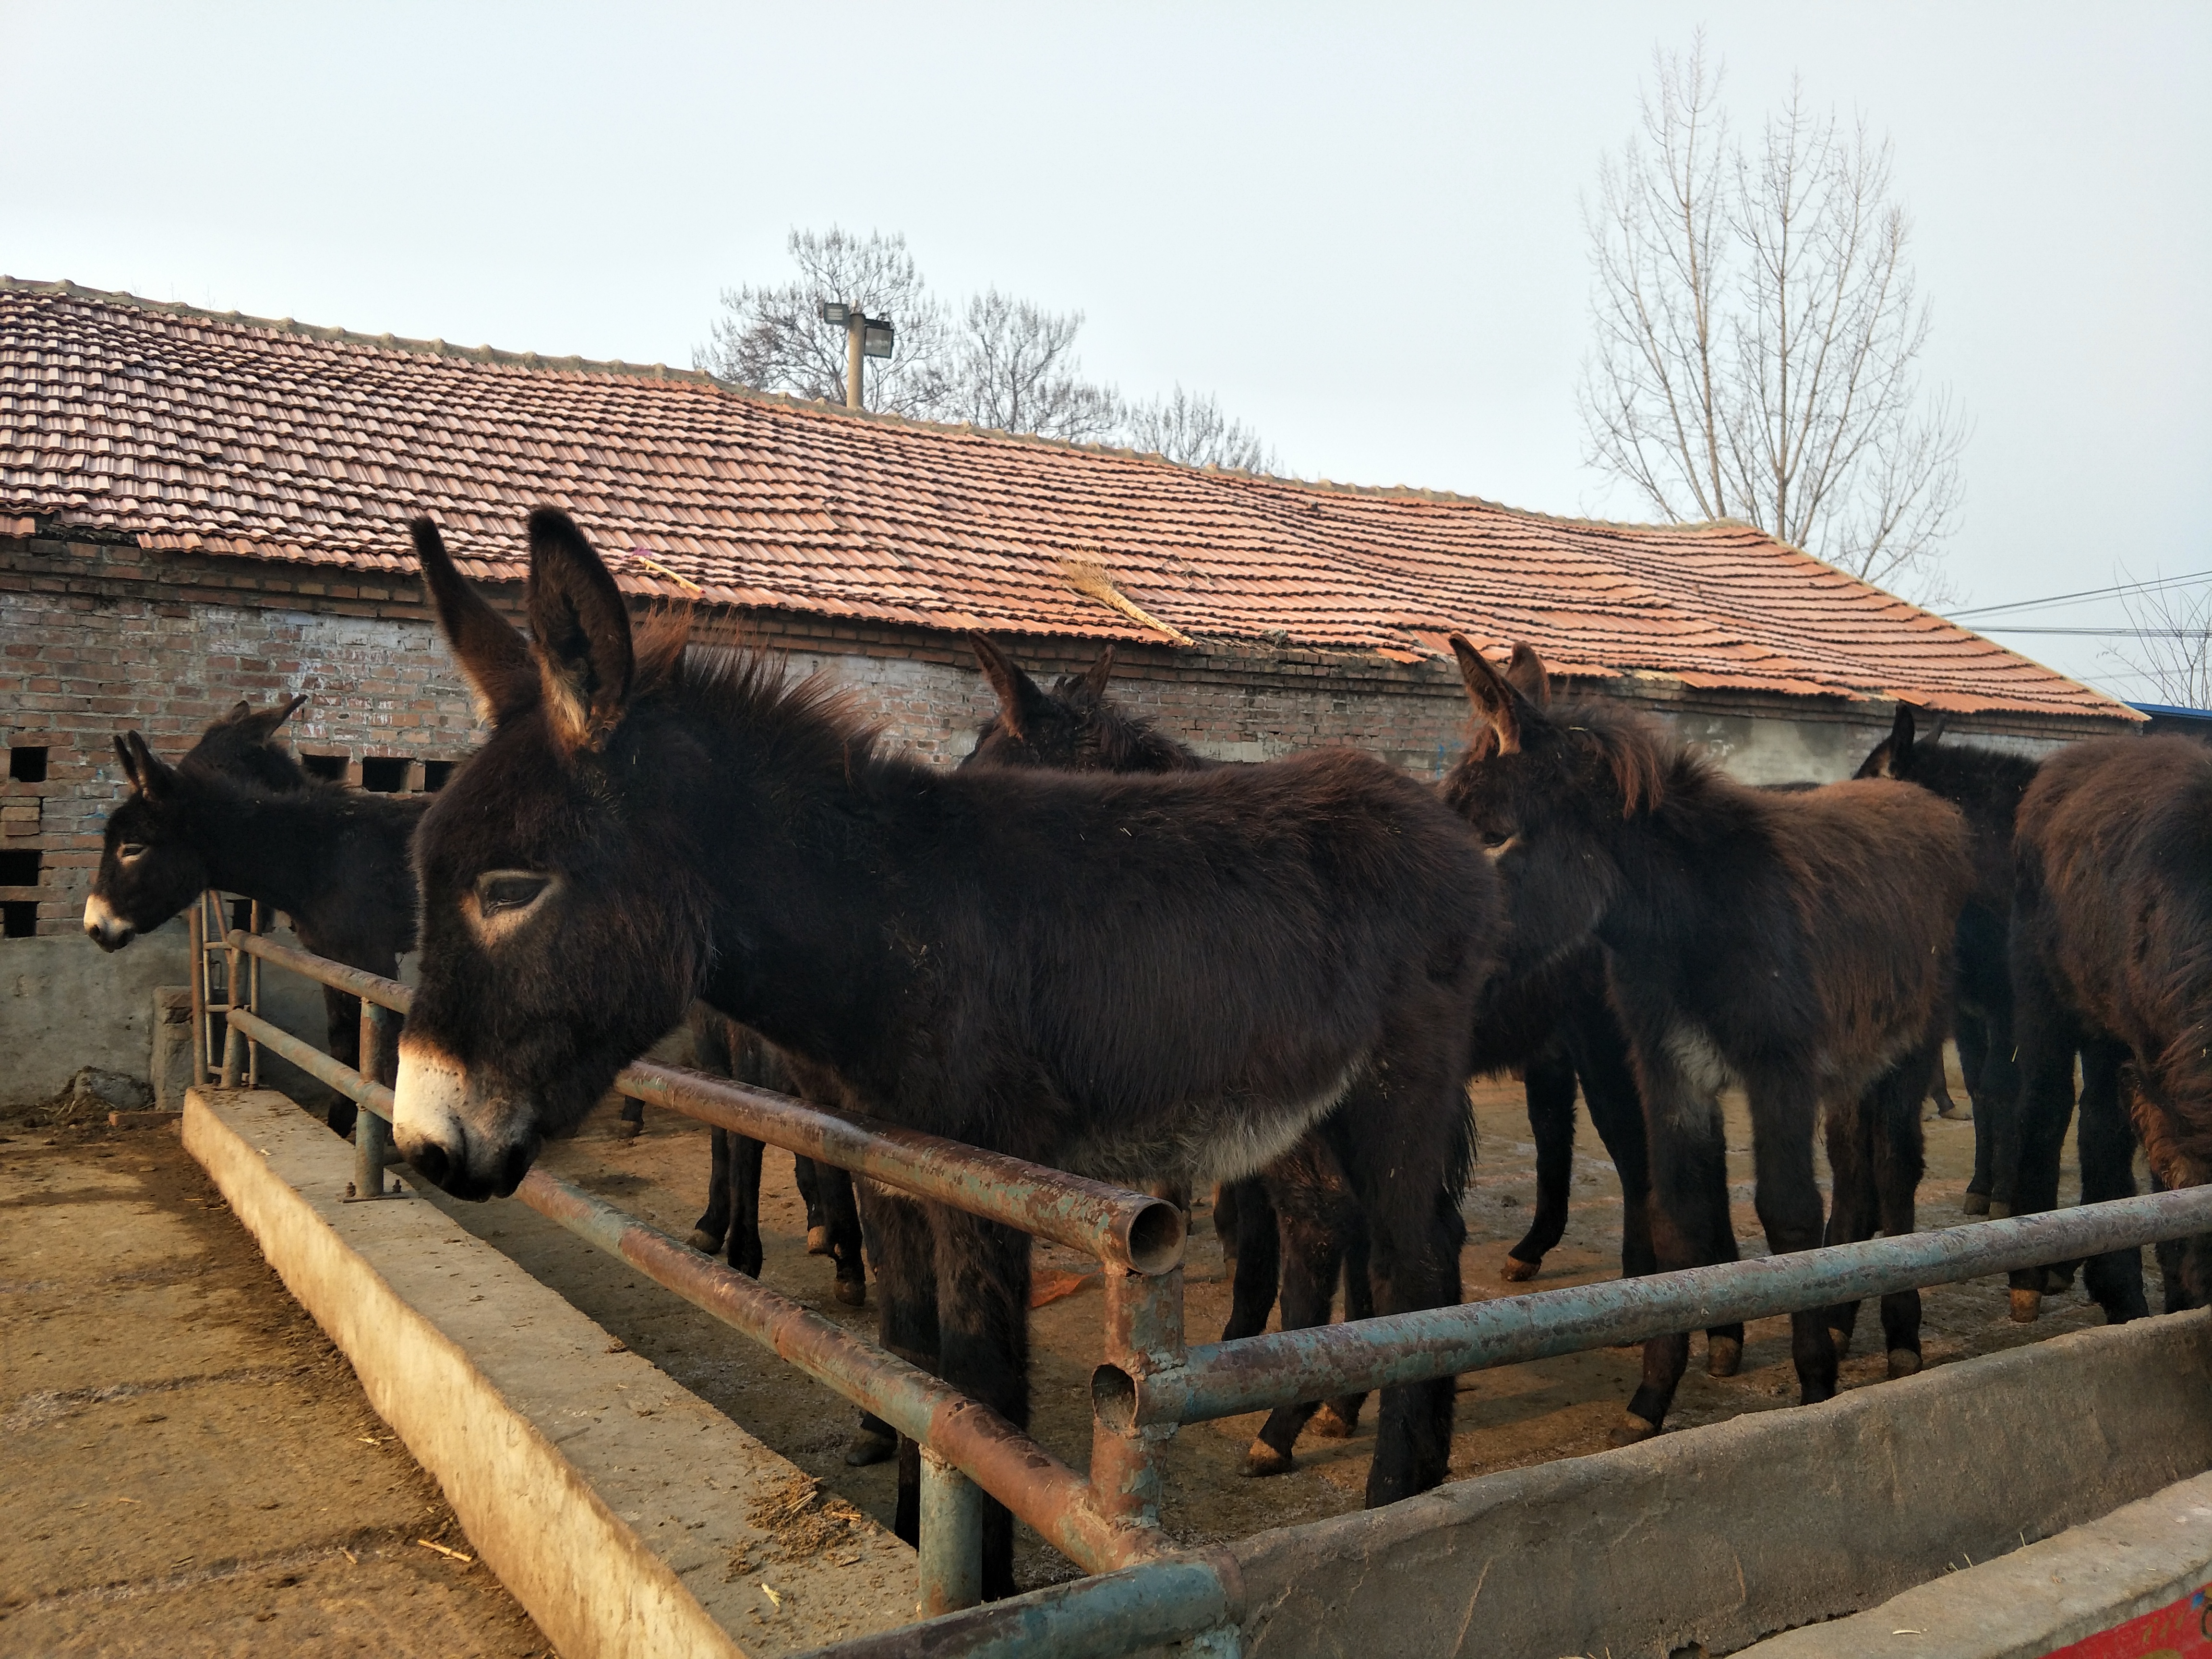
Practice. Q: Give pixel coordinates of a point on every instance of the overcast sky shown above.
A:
(1359, 226)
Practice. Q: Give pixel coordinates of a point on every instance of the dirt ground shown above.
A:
(187, 1467)
(1507, 1418)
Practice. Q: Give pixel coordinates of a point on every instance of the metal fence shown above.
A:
(1149, 1382)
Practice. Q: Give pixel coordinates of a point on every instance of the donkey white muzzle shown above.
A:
(444, 1132)
(107, 930)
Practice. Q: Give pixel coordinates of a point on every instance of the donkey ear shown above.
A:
(262, 726)
(149, 771)
(1492, 695)
(130, 759)
(494, 657)
(1526, 674)
(1893, 756)
(1096, 676)
(579, 627)
(1020, 697)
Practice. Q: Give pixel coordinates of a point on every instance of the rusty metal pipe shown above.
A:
(1103, 1618)
(952, 1537)
(986, 1448)
(1127, 1230)
(1226, 1379)
(371, 1096)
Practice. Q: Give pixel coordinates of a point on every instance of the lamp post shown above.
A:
(865, 337)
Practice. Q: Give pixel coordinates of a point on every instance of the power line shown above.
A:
(2112, 632)
(2086, 593)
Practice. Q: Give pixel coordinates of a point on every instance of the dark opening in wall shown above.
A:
(19, 867)
(325, 766)
(435, 775)
(385, 775)
(241, 916)
(27, 765)
(19, 919)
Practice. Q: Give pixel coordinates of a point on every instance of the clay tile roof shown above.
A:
(276, 440)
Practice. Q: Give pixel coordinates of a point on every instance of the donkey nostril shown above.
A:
(430, 1161)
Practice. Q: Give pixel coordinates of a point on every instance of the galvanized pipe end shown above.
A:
(1152, 1238)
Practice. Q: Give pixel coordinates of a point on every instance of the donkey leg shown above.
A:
(906, 1315)
(983, 1347)
(1406, 1144)
(804, 1171)
(836, 1188)
(1852, 1211)
(1259, 1251)
(1900, 1157)
(708, 1231)
(744, 1253)
(1312, 1254)
(1549, 1082)
(1339, 1419)
(1224, 1222)
(2047, 1038)
(341, 1016)
(1782, 1108)
(2114, 1280)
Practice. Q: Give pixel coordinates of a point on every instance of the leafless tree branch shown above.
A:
(1190, 428)
(2171, 645)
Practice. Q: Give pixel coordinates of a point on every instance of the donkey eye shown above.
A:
(131, 851)
(506, 890)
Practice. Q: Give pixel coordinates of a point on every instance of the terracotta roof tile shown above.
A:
(234, 435)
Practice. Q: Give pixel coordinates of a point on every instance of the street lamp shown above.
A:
(865, 337)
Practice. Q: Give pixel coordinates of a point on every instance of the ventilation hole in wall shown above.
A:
(19, 867)
(435, 774)
(331, 767)
(241, 916)
(27, 765)
(19, 919)
(385, 775)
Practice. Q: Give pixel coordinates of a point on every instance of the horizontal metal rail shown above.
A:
(1122, 1229)
(371, 1096)
(1225, 1379)
(991, 1451)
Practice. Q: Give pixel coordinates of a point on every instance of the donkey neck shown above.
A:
(281, 846)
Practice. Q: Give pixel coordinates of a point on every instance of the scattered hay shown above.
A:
(798, 1520)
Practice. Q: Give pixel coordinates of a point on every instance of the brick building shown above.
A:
(196, 508)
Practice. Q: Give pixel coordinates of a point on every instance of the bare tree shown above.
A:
(1758, 335)
(773, 337)
(1015, 369)
(2171, 645)
(1190, 428)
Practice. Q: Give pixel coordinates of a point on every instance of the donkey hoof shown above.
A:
(703, 1242)
(868, 1447)
(818, 1241)
(1263, 1459)
(1516, 1271)
(625, 1130)
(853, 1292)
(1632, 1430)
(2027, 1307)
(1903, 1362)
(1330, 1423)
(1975, 1204)
(1999, 1210)
(1842, 1339)
(1723, 1355)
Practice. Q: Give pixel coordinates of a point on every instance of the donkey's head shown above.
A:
(238, 746)
(1898, 754)
(150, 864)
(1548, 791)
(564, 925)
(1059, 728)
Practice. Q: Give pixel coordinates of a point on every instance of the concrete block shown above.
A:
(66, 1004)
(1711, 1539)
(611, 1501)
(172, 1065)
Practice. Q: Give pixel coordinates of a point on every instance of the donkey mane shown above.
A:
(1126, 742)
(1642, 758)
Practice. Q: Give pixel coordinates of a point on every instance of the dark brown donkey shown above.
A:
(1988, 787)
(239, 815)
(1552, 1023)
(2112, 915)
(1130, 977)
(1797, 943)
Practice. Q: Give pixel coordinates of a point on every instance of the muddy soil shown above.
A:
(186, 1465)
(1511, 1417)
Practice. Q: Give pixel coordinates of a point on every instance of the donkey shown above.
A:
(1130, 977)
(1553, 1024)
(2111, 907)
(241, 816)
(1798, 942)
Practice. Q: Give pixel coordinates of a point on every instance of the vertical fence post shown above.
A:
(372, 1135)
(952, 1538)
(233, 1040)
(256, 921)
(198, 926)
(1144, 1337)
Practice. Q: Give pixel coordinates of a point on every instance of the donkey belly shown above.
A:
(1224, 1139)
